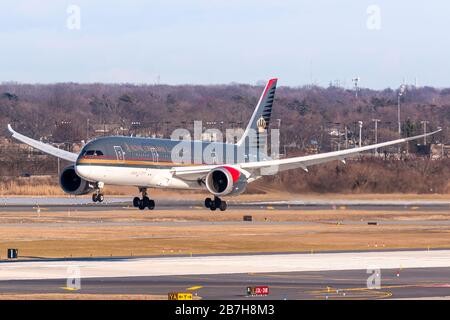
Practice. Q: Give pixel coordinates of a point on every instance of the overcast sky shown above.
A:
(223, 41)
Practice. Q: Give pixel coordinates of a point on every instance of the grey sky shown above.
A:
(223, 41)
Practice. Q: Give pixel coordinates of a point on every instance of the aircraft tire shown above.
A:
(136, 202)
(208, 202)
(146, 201)
(151, 204)
(223, 206)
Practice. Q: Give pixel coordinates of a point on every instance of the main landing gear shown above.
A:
(98, 196)
(217, 203)
(145, 202)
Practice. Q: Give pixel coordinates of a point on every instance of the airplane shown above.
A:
(148, 162)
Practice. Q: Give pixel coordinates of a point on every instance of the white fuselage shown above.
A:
(141, 177)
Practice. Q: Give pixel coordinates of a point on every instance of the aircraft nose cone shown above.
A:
(83, 171)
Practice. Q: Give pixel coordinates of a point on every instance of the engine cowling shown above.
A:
(224, 181)
(71, 183)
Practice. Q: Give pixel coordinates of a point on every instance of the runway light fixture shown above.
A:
(360, 123)
(376, 133)
(424, 123)
(401, 92)
(355, 83)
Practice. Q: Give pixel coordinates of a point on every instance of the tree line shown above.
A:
(71, 113)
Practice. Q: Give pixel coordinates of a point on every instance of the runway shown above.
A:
(403, 274)
(308, 275)
(411, 284)
(119, 203)
(225, 264)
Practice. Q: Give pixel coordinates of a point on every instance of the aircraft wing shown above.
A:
(305, 161)
(44, 147)
(274, 166)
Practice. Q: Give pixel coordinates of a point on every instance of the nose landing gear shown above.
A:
(98, 196)
(217, 203)
(145, 202)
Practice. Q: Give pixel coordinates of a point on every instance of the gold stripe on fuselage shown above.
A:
(132, 162)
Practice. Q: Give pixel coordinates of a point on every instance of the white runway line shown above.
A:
(226, 264)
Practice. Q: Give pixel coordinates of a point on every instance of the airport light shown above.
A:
(135, 125)
(401, 92)
(424, 123)
(376, 133)
(167, 127)
(346, 136)
(360, 123)
(279, 123)
(87, 130)
(59, 165)
(355, 82)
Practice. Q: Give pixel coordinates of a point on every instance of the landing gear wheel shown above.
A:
(217, 202)
(97, 196)
(136, 202)
(141, 205)
(145, 202)
(208, 202)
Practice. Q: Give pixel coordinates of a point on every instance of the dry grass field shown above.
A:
(45, 186)
(129, 232)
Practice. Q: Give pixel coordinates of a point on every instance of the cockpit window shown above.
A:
(93, 153)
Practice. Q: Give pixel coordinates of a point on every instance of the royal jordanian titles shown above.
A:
(148, 163)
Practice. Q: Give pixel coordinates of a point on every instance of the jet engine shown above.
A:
(71, 183)
(224, 181)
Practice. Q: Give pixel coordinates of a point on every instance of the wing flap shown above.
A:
(192, 172)
(199, 172)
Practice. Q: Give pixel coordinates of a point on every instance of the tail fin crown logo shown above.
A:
(261, 125)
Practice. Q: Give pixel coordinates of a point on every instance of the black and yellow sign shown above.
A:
(179, 296)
